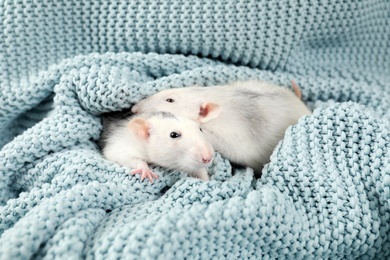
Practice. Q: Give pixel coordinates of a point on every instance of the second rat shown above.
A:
(244, 120)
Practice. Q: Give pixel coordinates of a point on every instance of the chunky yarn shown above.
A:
(324, 195)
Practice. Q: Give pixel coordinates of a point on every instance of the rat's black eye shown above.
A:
(170, 100)
(174, 135)
(201, 129)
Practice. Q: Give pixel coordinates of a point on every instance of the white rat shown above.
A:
(244, 120)
(160, 138)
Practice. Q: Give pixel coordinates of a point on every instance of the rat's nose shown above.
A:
(207, 159)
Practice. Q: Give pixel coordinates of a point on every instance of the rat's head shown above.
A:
(186, 102)
(173, 142)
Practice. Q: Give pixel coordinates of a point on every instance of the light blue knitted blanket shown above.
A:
(325, 193)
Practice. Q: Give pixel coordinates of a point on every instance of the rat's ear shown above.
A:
(297, 91)
(208, 111)
(139, 126)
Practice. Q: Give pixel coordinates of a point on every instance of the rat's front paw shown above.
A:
(145, 173)
(201, 174)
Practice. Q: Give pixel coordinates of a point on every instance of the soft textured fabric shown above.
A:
(325, 193)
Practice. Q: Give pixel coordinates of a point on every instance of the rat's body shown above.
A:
(160, 138)
(244, 121)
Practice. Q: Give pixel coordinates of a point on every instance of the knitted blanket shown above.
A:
(325, 193)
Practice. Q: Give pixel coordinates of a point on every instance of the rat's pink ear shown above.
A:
(297, 91)
(208, 111)
(139, 126)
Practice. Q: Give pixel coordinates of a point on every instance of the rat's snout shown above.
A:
(207, 154)
(207, 159)
(203, 154)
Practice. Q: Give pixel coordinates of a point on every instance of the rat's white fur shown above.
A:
(185, 153)
(252, 118)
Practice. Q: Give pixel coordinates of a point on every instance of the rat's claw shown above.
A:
(149, 175)
(145, 173)
(153, 175)
(135, 171)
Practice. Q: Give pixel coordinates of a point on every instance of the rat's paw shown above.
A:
(201, 174)
(145, 173)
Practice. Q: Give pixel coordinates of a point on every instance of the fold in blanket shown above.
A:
(325, 193)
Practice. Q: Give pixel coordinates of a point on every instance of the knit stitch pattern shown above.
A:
(324, 195)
